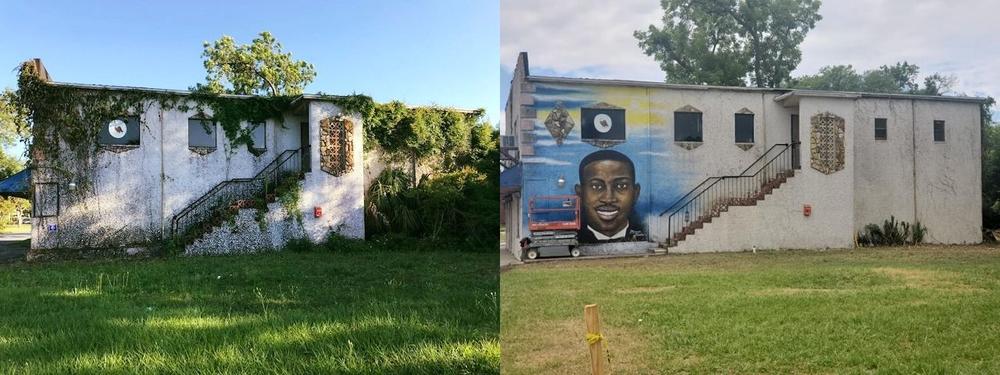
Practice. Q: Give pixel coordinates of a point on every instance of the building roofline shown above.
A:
(872, 95)
(651, 84)
(783, 93)
(298, 98)
(89, 86)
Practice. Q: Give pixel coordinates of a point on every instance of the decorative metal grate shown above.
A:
(336, 151)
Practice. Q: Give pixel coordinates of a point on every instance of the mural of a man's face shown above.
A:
(608, 192)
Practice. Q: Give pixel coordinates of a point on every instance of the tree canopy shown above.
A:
(730, 42)
(260, 68)
(900, 78)
(13, 119)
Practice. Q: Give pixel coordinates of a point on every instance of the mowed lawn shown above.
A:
(360, 312)
(892, 310)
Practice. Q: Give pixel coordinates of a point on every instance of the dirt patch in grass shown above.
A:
(646, 289)
(927, 279)
(797, 291)
(558, 347)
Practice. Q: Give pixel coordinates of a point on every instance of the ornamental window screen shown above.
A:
(336, 151)
(827, 143)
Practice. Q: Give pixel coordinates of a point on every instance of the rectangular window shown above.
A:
(122, 131)
(687, 127)
(880, 129)
(258, 136)
(744, 128)
(201, 133)
(938, 130)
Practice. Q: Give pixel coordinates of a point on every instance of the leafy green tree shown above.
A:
(730, 42)
(832, 77)
(991, 168)
(900, 78)
(260, 68)
(11, 208)
(9, 165)
(13, 119)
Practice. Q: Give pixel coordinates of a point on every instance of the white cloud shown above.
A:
(591, 38)
(543, 160)
(581, 38)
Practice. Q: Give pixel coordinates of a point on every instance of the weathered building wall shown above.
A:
(188, 175)
(665, 168)
(883, 169)
(340, 198)
(130, 197)
(247, 234)
(948, 174)
(778, 221)
(117, 194)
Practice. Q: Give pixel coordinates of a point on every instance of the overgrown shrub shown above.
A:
(892, 233)
(459, 206)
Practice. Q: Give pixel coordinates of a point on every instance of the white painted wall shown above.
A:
(948, 174)
(883, 169)
(778, 221)
(341, 198)
(136, 193)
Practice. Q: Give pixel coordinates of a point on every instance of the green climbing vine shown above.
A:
(65, 119)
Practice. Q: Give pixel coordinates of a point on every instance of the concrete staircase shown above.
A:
(716, 195)
(723, 205)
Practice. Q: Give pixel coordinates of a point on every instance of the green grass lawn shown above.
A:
(893, 310)
(319, 312)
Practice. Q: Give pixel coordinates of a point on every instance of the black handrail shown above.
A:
(725, 191)
(679, 201)
(762, 157)
(224, 193)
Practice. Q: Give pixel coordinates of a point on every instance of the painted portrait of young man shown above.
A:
(608, 194)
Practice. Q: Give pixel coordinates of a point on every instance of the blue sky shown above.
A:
(428, 52)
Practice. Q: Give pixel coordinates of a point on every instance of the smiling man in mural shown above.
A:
(608, 193)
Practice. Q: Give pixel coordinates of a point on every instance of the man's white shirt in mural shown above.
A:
(601, 237)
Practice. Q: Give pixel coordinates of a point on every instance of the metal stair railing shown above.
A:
(716, 194)
(219, 197)
(710, 180)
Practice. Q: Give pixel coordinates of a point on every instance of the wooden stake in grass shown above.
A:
(594, 339)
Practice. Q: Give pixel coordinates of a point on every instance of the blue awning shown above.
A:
(510, 180)
(16, 185)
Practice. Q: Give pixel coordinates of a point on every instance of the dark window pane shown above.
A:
(257, 135)
(121, 131)
(880, 129)
(201, 133)
(687, 127)
(744, 128)
(938, 131)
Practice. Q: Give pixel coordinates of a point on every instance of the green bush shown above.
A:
(892, 233)
(458, 207)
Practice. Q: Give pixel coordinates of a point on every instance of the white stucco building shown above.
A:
(732, 168)
(160, 173)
